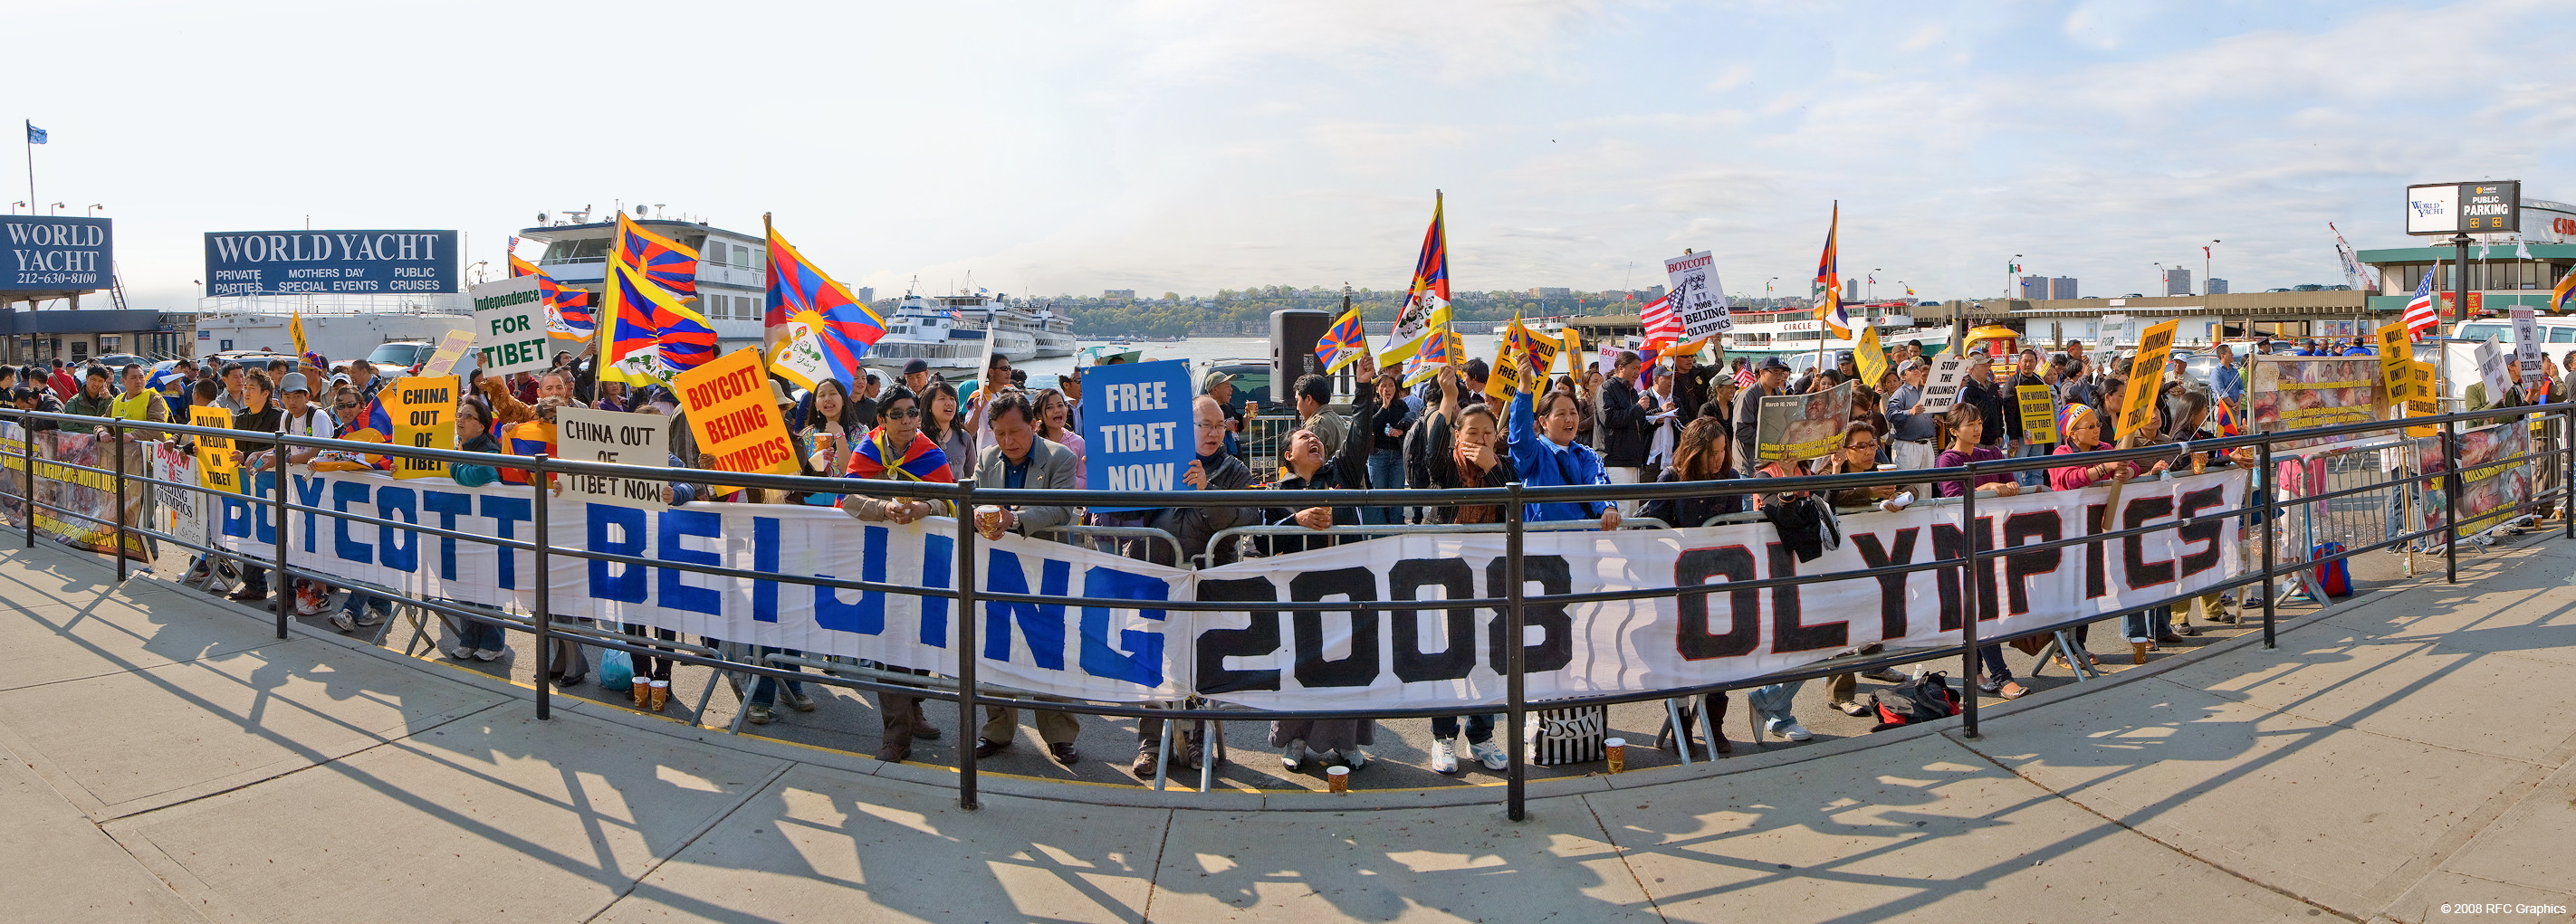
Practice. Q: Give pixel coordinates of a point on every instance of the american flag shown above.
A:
(2419, 310)
(1663, 324)
(1744, 376)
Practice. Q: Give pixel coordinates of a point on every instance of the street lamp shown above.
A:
(57, 205)
(92, 210)
(2204, 268)
(13, 208)
(2159, 287)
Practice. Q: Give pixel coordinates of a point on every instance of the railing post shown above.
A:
(1968, 602)
(2263, 476)
(116, 448)
(541, 613)
(2450, 501)
(967, 638)
(2567, 472)
(1516, 662)
(281, 583)
(27, 443)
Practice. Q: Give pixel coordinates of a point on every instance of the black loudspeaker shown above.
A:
(1293, 333)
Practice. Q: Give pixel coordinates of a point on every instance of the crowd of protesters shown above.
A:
(1640, 420)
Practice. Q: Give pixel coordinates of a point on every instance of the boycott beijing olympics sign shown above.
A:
(734, 415)
(1142, 436)
(1379, 632)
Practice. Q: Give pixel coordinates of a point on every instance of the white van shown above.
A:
(2557, 337)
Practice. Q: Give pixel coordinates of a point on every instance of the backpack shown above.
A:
(2334, 577)
(1921, 699)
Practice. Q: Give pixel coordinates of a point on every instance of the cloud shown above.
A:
(1924, 37)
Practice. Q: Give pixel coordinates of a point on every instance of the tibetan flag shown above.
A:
(843, 327)
(919, 461)
(1429, 291)
(2223, 418)
(2564, 293)
(1830, 284)
(1342, 343)
(519, 266)
(568, 314)
(2420, 313)
(650, 335)
(371, 425)
(662, 260)
(1439, 348)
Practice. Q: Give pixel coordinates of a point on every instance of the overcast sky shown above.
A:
(1072, 147)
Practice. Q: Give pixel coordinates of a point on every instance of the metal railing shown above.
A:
(963, 688)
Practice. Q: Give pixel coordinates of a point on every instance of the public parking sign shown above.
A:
(2464, 208)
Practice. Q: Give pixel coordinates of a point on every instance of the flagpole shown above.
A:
(30, 139)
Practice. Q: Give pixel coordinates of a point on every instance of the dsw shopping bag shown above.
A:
(1566, 736)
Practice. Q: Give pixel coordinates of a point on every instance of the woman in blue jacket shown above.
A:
(1545, 453)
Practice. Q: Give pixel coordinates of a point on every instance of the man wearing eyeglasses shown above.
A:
(1191, 528)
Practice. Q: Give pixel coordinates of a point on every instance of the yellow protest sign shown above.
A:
(423, 411)
(2395, 363)
(1872, 358)
(1573, 352)
(1506, 374)
(443, 360)
(2420, 400)
(2146, 376)
(217, 470)
(735, 416)
(2038, 413)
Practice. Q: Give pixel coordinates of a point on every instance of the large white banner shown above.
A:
(1379, 634)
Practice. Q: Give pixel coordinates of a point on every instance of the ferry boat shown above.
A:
(934, 331)
(978, 316)
(1795, 331)
(1054, 333)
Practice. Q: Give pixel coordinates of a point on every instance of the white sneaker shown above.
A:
(340, 621)
(1444, 756)
(1492, 757)
(1294, 755)
(490, 654)
(371, 618)
(1790, 730)
(1358, 758)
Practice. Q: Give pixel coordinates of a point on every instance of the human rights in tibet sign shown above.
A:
(54, 254)
(300, 262)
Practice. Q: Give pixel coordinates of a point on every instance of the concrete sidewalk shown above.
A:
(167, 759)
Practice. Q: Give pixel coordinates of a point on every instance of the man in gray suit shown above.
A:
(1017, 458)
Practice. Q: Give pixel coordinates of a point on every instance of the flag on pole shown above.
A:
(2561, 294)
(1829, 282)
(2420, 313)
(843, 327)
(1427, 293)
(35, 135)
(2224, 418)
(1909, 291)
(1438, 346)
(567, 310)
(661, 260)
(1343, 342)
(1663, 324)
(650, 335)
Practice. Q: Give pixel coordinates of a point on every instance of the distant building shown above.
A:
(1550, 292)
(2216, 286)
(1118, 295)
(867, 293)
(2177, 281)
(2062, 287)
(1652, 293)
(2034, 287)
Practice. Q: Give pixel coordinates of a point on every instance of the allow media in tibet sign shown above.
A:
(1696, 294)
(358, 262)
(509, 326)
(53, 254)
(1138, 427)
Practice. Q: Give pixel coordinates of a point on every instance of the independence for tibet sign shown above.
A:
(1140, 432)
(509, 326)
(618, 437)
(1697, 295)
(735, 417)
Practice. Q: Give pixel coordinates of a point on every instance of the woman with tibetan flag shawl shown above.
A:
(897, 450)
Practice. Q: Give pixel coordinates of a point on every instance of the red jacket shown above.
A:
(63, 384)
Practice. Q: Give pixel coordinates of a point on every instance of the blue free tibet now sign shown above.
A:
(51, 254)
(356, 262)
(1138, 431)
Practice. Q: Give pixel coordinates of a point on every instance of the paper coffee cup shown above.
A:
(1337, 779)
(1616, 749)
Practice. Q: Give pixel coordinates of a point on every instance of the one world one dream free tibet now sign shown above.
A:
(1139, 433)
